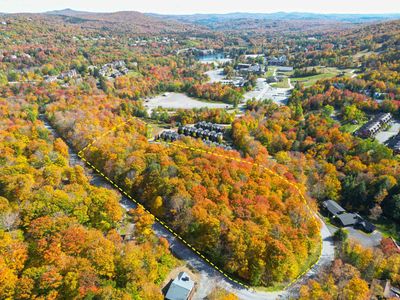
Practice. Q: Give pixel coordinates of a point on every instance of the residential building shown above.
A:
(277, 61)
(371, 128)
(284, 69)
(347, 219)
(181, 288)
(344, 219)
(69, 74)
(251, 69)
(169, 135)
(333, 208)
(391, 291)
(237, 81)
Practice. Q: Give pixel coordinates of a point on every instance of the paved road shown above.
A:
(210, 277)
(265, 91)
(385, 135)
(327, 257)
(216, 75)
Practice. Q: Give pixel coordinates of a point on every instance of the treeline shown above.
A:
(305, 72)
(339, 93)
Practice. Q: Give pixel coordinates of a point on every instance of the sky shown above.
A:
(205, 6)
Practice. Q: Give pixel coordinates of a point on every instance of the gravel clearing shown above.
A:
(179, 100)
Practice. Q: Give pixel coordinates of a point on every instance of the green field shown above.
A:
(281, 84)
(326, 73)
(389, 228)
(134, 74)
(350, 128)
(270, 71)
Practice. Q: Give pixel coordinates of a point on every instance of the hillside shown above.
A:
(209, 18)
(117, 22)
(270, 22)
(125, 21)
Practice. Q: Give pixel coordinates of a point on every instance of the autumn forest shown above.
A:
(292, 101)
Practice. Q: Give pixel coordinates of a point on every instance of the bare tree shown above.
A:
(9, 220)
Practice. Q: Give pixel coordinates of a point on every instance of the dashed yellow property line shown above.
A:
(269, 171)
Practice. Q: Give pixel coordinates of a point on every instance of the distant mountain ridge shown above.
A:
(126, 21)
(205, 19)
(240, 22)
(67, 12)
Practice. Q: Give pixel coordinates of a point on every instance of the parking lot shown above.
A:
(384, 136)
(265, 91)
(179, 100)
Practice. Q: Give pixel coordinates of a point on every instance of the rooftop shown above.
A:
(348, 219)
(333, 207)
(180, 288)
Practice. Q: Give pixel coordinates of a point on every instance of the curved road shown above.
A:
(210, 278)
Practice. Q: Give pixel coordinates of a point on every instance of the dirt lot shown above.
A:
(178, 100)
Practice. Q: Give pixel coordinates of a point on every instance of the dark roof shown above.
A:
(333, 207)
(366, 226)
(348, 219)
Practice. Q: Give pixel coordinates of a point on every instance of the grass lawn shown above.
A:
(155, 127)
(134, 74)
(286, 73)
(326, 73)
(350, 128)
(388, 228)
(270, 71)
(310, 80)
(364, 53)
(281, 84)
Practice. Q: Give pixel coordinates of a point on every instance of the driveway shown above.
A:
(367, 240)
(215, 75)
(383, 136)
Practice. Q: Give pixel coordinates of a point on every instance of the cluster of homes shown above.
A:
(277, 61)
(114, 69)
(64, 75)
(15, 57)
(341, 217)
(236, 81)
(377, 96)
(242, 70)
(256, 69)
(168, 135)
(371, 128)
(203, 133)
(211, 134)
(210, 126)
